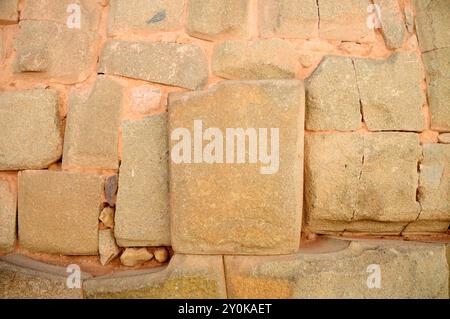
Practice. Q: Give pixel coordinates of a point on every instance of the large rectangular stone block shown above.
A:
(8, 208)
(9, 11)
(224, 200)
(58, 211)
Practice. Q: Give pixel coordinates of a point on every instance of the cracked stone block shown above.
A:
(58, 211)
(425, 227)
(437, 66)
(237, 204)
(30, 129)
(215, 19)
(263, 59)
(92, 133)
(433, 24)
(9, 12)
(186, 277)
(336, 106)
(182, 65)
(142, 212)
(444, 138)
(288, 18)
(391, 94)
(392, 24)
(54, 52)
(399, 270)
(24, 278)
(142, 15)
(345, 20)
(434, 185)
(8, 207)
(331, 227)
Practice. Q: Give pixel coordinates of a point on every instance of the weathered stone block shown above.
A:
(55, 52)
(405, 270)
(135, 256)
(263, 59)
(222, 202)
(175, 64)
(107, 247)
(444, 138)
(437, 65)
(8, 208)
(391, 96)
(142, 213)
(332, 96)
(288, 18)
(142, 15)
(426, 227)
(58, 211)
(213, 19)
(197, 277)
(434, 186)
(9, 11)
(30, 129)
(392, 24)
(92, 132)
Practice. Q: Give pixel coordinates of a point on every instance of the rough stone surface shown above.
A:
(345, 20)
(8, 206)
(135, 256)
(263, 59)
(197, 277)
(408, 270)
(30, 125)
(107, 217)
(336, 106)
(434, 190)
(361, 227)
(392, 24)
(433, 24)
(55, 52)
(142, 15)
(161, 255)
(437, 65)
(288, 18)
(391, 96)
(239, 208)
(9, 12)
(142, 213)
(92, 132)
(444, 138)
(425, 227)
(111, 185)
(58, 211)
(23, 278)
(213, 19)
(107, 247)
(144, 98)
(183, 65)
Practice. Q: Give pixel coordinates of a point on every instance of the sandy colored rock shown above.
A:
(434, 190)
(183, 65)
(392, 24)
(111, 185)
(8, 207)
(9, 13)
(144, 99)
(30, 129)
(437, 66)
(141, 15)
(107, 247)
(214, 19)
(142, 212)
(407, 270)
(58, 211)
(92, 131)
(426, 227)
(54, 52)
(263, 59)
(107, 217)
(345, 20)
(444, 138)
(391, 96)
(433, 24)
(336, 106)
(361, 227)
(186, 277)
(246, 207)
(288, 18)
(135, 256)
(161, 255)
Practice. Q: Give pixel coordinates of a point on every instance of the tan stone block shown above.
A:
(262, 59)
(107, 247)
(9, 11)
(426, 227)
(30, 129)
(107, 217)
(237, 204)
(8, 208)
(135, 256)
(444, 138)
(392, 24)
(58, 211)
(197, 277)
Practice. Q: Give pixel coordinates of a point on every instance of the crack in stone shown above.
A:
(318, 14)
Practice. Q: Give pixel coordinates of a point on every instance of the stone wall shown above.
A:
(102, 166)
